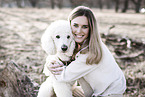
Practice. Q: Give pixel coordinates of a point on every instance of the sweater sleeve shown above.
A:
(88, 91)
(79, 68)
(49, 59)
(76, 69)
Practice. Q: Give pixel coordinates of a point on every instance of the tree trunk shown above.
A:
(1, 2)
(34, 2)
(59, 3)
(52, 4)
(100, 4)
(116, 5)
(72, 3)
(108, 4)
(125, 6)
(18, 2)
(137, 5)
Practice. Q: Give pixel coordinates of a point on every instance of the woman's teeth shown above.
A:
(79, 36)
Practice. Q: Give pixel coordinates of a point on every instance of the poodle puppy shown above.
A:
(57, 41)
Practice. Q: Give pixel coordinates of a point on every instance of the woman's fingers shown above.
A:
(56, 71)
(55, 68)
(55, 65)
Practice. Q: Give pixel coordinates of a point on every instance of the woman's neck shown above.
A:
(79, 46)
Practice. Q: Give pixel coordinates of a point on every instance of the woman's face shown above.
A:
(80, 28)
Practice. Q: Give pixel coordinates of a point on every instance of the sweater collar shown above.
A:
(84, 47)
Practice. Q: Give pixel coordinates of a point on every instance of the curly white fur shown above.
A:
(58, 42)
(52, 45)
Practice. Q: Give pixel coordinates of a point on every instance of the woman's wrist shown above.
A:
(55, 68)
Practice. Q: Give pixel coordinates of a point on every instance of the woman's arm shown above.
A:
(76, 69)
(79, 68)
(52, 66)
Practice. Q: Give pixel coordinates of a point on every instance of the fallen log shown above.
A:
(14, 82)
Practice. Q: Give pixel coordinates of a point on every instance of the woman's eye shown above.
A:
(75, 25)
(57, 36)
(68, 37)
(85, 27)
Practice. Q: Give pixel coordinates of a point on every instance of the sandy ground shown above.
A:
(21, 30)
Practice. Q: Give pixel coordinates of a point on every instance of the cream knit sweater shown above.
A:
(103, 79)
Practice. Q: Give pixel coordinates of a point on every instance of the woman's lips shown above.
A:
(79, 36)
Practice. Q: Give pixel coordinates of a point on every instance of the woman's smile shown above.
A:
(79, 36)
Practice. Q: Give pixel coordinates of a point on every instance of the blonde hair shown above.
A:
(95, 50)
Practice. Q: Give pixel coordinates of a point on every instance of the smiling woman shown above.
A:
(84, 18)
(80, 28)
(93, 66)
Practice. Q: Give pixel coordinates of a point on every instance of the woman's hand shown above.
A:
(55, 67)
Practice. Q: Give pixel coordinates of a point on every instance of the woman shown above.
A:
(94, 66)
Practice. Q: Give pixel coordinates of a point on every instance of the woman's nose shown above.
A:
(79, 30)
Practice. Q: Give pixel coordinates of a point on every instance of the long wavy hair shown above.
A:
(95, 50)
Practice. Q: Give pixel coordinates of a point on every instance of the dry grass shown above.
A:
(21, 30)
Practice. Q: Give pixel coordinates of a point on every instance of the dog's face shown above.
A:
(58, 39)
(63, 40)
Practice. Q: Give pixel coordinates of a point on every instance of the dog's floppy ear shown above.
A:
(48, 43)
(72, 47)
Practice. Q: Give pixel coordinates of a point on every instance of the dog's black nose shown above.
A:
(64, 47)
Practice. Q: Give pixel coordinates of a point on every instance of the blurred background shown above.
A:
(124, 5)
(121, 24)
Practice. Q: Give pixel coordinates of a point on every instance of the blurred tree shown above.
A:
(59, 3)
(125, 6)
(52, 4)
(137, 4)
(75, 3)
(108, 4)
(19, 2)
(116, 5)
(1, 2)
(71, 3)
(100, 4)
(33, 2)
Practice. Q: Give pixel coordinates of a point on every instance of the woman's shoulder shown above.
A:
(107, 57)
(105, 48)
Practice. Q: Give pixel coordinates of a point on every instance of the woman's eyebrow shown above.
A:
(85, 25)
(75, 23)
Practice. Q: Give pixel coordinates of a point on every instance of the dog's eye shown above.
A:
(68, 37)
(57, 36)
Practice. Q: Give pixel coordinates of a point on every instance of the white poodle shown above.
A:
(59, 44)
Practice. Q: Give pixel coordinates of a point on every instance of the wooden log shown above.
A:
(14, 82)
(134, 57)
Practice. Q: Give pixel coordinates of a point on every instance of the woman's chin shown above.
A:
(79, 41)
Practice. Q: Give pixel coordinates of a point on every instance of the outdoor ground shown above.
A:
(21, 30)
